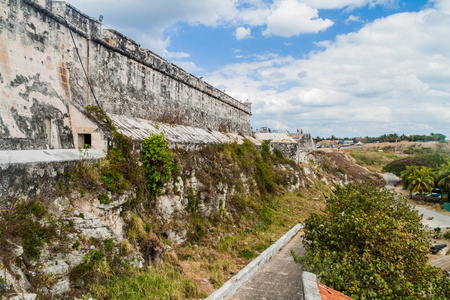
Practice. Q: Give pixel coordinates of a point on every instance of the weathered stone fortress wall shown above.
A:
(43, 86)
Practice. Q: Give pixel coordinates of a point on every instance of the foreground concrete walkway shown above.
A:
(280, 278)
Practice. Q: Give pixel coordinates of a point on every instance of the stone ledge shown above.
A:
(37, 156)
(310, 289)
(231, 286)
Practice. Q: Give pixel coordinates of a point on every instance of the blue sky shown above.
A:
(347, 68)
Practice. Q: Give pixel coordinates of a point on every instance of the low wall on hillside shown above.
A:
(26, 174)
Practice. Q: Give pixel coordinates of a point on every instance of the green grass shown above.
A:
(373, 160)
(151, 283)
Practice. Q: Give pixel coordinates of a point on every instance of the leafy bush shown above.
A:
(398, 166)
(425, 160)
(447, 235)
(159, 164)
(370, 245)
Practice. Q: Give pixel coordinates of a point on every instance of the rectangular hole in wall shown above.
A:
(84, 140)
(48, 131)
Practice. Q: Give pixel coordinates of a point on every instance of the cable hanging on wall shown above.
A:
(82, 65)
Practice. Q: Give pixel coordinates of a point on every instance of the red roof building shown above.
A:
(327, 293)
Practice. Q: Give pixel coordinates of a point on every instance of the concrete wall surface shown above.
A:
(50, 52)
(292, 148)
(176, 135)
(29, 173)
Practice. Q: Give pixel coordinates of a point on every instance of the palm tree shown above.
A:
(422, 180)
(443, 178)
(407, 176)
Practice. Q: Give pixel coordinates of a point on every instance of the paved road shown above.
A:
(279, 279)
(437, 219)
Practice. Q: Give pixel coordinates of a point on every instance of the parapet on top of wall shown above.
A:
(119, 42)
(75, 17)
(55, 61)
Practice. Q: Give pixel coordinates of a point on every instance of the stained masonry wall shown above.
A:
(42, 81)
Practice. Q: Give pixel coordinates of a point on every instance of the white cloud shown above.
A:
(393, 73)
(337, 4)
(353, 18)
(176, 55)
(291, 17)
(151, 18)
(243, 33)
(323, 44)
(188, 66)
(442, 5)
(152, 22)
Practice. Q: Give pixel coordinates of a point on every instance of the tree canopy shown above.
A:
(369, 244)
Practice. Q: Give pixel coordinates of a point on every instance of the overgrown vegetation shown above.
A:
(28, 225)
(28, 230)
(159, 164)
(370, 245)
(236, 204)
(252, 179)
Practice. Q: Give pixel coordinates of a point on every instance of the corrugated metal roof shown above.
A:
(139, 129)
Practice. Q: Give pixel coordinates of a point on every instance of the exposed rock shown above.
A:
(24, 296)
(176, 238)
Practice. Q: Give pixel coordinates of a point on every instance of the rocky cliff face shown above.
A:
(56, 244)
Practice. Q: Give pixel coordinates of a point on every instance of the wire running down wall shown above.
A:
(55, 60)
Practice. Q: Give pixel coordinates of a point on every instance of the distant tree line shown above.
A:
(392, 137)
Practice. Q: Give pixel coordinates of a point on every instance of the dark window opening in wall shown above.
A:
(84, 140)
(48, 124)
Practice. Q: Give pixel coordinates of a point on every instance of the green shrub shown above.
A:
(104, 198)
(278, 154)
(370, 245)
(398, 166)
(447, 235)
(158, 162)
(437, 233)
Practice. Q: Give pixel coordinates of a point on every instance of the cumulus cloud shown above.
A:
(351, 4)
(152, 22)
(243, 33)
(291, 18)
(393, 73)
(151, 18)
